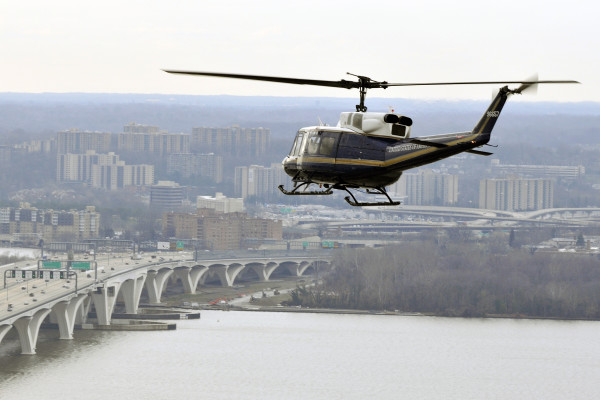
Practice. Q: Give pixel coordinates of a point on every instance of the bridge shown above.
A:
(393, 220)
(25, 304)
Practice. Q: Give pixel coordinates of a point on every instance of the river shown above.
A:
(260, 355)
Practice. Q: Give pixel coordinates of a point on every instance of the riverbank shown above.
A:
(269, 296)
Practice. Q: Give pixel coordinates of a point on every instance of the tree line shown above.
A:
(458, 279)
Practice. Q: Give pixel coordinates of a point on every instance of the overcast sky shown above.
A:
(120, 46)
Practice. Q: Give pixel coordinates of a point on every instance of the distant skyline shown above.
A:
(122, 47)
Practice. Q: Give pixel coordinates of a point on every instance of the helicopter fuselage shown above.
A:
(342, 157)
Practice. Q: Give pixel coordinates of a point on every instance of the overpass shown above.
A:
(393, 220)
(25, 304)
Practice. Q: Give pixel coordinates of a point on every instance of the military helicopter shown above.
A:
(370, 150)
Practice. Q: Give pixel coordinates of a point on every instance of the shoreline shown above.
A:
(238, 299)
(398, 314)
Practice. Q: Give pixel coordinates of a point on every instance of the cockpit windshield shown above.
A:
(295, 151)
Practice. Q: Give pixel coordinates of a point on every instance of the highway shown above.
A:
(22, 295)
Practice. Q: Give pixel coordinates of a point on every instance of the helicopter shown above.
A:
(370, 150)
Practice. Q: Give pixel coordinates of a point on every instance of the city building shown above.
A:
(539, 171)
(144, 139)
(189, 164)
(29, 224)
(76, 167)
(516, 194)
(259, 181)
(220, 203)
(119, 176)
(76, 141)
(132, 127)
(426, 187)
(37, 146)
(104, 171)
(220, 231)
(231, 140)
(166, 195)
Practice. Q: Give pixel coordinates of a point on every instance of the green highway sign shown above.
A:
(179, 245)
(51, 264)
(84, 266)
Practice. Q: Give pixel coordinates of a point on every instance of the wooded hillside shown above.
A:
(460, 280)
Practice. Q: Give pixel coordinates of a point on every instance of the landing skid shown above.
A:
(296, 190)
(355, 203)
(300, 190)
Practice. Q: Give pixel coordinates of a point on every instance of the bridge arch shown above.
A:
(28, 328)
(155, 283)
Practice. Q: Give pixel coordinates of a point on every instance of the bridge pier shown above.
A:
(82, 312)
(66, 314)
(28, 329)
(155, 283)
(132, 290)
(104, 298)
(4, 330)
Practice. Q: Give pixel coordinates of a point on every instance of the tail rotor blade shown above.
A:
(529, 88)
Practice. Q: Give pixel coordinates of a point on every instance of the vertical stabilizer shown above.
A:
(488, 120)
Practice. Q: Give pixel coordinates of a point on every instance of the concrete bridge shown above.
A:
(66, 302)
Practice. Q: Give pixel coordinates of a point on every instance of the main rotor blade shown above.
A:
(363, 82)
(529, 82)
(341, 83)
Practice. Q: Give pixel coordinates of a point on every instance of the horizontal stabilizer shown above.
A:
(479, 152)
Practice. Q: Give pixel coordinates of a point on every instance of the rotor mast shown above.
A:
(364, 83)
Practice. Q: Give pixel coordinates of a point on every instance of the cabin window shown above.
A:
(313, 144)
(321, 143)
(327, 146)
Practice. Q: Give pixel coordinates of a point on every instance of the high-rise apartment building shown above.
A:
(154, 143)
(103, 171)
(231, 140)
(78, 167)
(260, 181)
(132, 127)
(427, 187)
(516, 194)
(189, 164)
(119, 175)
(76, 141)
(49, 225)
(567, 172)
(218, 231)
